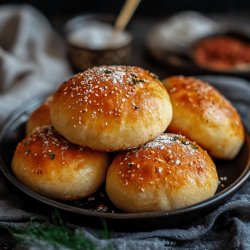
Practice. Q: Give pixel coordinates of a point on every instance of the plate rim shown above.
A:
(5, 170)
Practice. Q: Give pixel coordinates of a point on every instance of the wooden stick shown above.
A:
(126, 13)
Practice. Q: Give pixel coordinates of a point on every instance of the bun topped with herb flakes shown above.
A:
(167, 173)
(50, 165)
(204, 115)
(111, 108)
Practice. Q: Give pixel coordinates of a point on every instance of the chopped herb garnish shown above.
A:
(194, 146)
(52, 155)
(27, 142)
(189, 143)
(175, 138)
(135, 81)
(107, 71)
(184, 142)
(135, 107)
(130, 164)
(141, 80)
(133, 75)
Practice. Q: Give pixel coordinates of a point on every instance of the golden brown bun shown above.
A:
(111, 108)
(168, 173)
(39, 117)
(50, 165)
(202, 114)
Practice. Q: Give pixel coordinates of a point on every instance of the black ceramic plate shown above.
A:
(234, 173)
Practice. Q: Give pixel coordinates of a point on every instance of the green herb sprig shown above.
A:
(57, 235)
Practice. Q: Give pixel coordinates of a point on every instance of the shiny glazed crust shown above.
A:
(168, 173)
(111, 108)
(202, 114)
(39, 117)
(50, 165)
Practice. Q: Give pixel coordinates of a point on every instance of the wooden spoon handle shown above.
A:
(127, 11)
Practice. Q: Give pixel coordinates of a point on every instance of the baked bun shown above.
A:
(168, 173)
(39, 117)
(50, 165)
(111, 108)
(202, 114)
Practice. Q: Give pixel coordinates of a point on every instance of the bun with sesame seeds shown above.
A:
(39, 117)
(111, 108)
(56, 168)
(202, 114)
(167, 173)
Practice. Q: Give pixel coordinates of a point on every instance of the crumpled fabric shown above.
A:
(32, 57)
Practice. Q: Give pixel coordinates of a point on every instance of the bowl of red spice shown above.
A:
(227, 51)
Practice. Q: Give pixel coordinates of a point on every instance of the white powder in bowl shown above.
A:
(97, 35)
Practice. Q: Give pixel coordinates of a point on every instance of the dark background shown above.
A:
(147, 8)
(146, 16)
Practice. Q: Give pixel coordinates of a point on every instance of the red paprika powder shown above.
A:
(222, 53)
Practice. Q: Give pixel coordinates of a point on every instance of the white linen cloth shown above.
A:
(32, 58)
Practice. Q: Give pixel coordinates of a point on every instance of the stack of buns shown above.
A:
(161, 138)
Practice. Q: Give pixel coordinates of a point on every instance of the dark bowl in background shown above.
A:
(83, 57)
(182, 61)
(226, 32)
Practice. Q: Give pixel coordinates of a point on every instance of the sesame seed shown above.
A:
(177, 162)
(159, 170)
